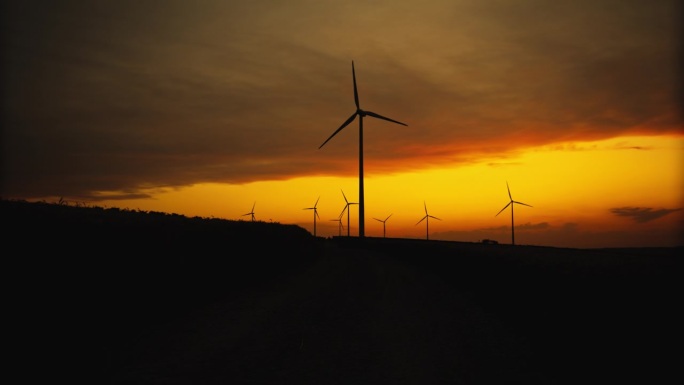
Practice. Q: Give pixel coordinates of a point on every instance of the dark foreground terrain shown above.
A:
(105, 296)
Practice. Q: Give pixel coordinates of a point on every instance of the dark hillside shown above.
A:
(85, 280)
(150, 242)
(131, 297)
(138, 252)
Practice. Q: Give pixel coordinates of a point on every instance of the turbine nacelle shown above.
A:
(346, 208)
(426, 218)
(251, 212)
(360, 113)
(315, 210)
(511, 203)
(384, 227)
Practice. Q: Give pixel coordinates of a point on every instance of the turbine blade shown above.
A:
(373, 114)
(316, 213)
(345, 197)
(421, 220)
(509, 191)
(505, 207)
(425, 205)
(351, 118)
(435, 218)
(520, 203)
(254, 205)
(343, 210)
(389, 216)
(379, 220)
(316, 204)
(356, 93)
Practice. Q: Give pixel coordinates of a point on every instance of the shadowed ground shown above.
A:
(363, 316)
(139, 299)
(354, 318)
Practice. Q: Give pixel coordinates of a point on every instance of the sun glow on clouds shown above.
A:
(573, 183)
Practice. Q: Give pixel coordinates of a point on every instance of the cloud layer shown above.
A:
(111, 98)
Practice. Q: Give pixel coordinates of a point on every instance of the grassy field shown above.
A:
(128, 297)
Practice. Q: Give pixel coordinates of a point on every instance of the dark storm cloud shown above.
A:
(641, 214)
(116, 97)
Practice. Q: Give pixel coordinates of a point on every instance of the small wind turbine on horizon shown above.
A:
(511, 203)
(360, 113)
(341, 226)
(251, 212)
(383, 224)
(346, 207)
(315, 211)
(426, 218)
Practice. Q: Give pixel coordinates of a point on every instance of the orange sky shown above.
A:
(567, 185)
(212, 107)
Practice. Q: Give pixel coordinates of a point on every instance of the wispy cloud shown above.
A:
(642, 214)
(568, 235)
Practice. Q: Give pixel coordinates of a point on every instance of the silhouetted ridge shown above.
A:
(94, 290)
(82, 270)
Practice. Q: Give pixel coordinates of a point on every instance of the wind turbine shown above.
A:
(251, 212)
(511, 203)
(341, 226)
(346, 207)
(360, 113)
(315, 210)
(383, 224)
(426, 218)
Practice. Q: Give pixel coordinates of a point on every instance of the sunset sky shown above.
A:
(209, 108)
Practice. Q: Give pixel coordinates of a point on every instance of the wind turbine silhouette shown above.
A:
(426, 218)
(383, 224)
(315, 210)
(346, 207)
(251, 212)
(360, 113)
(341, 226)
(511, 203)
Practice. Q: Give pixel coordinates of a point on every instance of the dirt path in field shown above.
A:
(351, 318)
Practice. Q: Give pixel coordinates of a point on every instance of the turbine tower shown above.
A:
(251, 212)
(346, 207)
(511, 203)
(426, 218)
(341, 226)
(383, 224)
(360, 113)
(315, 211)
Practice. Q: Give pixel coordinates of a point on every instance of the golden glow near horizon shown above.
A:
(170, 101)
(569, 185)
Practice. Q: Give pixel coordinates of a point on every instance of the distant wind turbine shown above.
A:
(341, 226)
(511, 203)
(360, 113)
(251, 212)
(346, 207)
(315, 211)
(426, 218)
(383, 224)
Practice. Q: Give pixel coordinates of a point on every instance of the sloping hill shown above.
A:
(128, 297)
